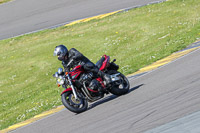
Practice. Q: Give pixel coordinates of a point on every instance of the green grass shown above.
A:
(135, 38)
(4, 1)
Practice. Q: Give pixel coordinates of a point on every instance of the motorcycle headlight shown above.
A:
(55, 75)
(60, 70)
(60, 80)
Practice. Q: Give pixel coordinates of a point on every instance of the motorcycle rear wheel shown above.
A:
(76, 106)
(122, 87)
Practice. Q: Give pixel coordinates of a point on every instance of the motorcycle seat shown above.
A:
(100, 62)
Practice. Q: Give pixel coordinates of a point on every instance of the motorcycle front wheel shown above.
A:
(120, 87)
(75, 105)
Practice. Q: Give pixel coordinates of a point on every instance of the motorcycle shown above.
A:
(86, 87)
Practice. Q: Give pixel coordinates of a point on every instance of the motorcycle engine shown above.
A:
(86, 77)
(95, 87)
(91, 83)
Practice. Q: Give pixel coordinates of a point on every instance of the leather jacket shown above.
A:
(77, 57)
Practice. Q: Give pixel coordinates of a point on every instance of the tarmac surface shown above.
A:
(24, 16)
(187, 124)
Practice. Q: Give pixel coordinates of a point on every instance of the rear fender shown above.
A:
(66, 90)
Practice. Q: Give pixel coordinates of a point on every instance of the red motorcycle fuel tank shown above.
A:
(76, 72)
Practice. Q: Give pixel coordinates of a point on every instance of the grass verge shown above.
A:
(136, 38)
(4, 1)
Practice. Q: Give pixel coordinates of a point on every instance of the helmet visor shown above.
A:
(56, 52)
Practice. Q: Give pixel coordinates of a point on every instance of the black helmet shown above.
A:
(61, 51)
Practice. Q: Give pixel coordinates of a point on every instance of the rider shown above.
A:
(77, 58)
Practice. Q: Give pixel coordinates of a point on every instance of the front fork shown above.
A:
(72, 86)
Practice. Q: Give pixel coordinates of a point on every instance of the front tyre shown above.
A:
(76, 106)
(120, 87)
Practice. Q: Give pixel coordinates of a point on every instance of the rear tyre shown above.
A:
(120, 87)
(76, 106)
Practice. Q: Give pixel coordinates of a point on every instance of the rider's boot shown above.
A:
(106, 77)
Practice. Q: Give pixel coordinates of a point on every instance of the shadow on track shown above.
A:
(109, 98)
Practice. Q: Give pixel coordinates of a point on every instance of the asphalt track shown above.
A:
(25, 16)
